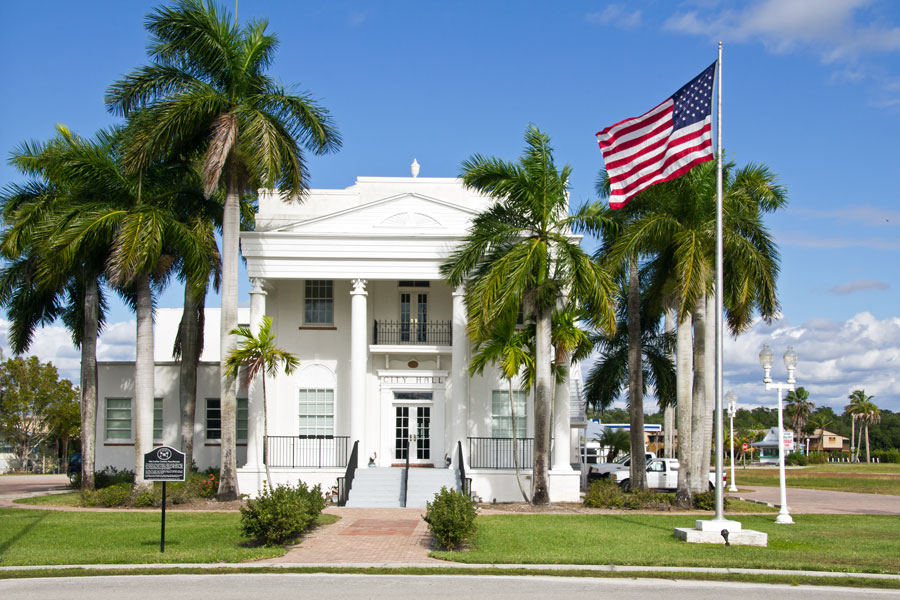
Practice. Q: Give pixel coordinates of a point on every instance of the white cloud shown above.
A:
(859, 285)
(616, 15)
(841, 33)
(835, 358)
(874, 216)
(808, 240)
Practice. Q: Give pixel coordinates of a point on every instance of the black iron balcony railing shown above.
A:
(434, 333)
(307, 451)
(497, 453)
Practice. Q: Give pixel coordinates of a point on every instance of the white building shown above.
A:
(351, 280)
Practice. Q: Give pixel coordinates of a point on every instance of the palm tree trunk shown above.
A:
(852, 435)
(669, 411)
(635, 380)
(868, 456)
(228, 485)
(191, 331)
(262, 374)
(512, 412)
(684, 368)
(698, 408)
(542, 399)
(709, 373)
(143, 381)
(89, 381)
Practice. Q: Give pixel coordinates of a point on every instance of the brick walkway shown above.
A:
(367, 535)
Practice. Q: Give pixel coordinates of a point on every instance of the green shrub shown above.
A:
(604, 493)
(647, 500)
(280, 514)
(796, 458)
(818, 458)
(118, 494)
(450, 518)
(891, 455)
(707, 500)
(112, 476)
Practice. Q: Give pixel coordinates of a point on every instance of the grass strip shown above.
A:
(848, 581)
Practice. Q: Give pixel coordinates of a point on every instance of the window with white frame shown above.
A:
(318, 302)
(501, 415)
(118, 419)
(214, 419)
(157, 419)
(316, 412)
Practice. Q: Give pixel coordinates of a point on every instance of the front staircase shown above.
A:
(383, 487)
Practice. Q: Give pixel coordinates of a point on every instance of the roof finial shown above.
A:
(414, 168)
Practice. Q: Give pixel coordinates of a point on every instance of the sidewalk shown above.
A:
(804, 501)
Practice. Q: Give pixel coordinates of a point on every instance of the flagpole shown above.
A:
(720, 467)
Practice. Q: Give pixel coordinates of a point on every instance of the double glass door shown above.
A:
(413, 316)
(413, 428)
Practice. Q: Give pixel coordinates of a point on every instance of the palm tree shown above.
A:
(133, 215)
(869, 414)
(33, 287)
(257, 354)
(857, 399)
(676, 227)
(818, 421)
(799, 407)
(520, 252)
(207, 90)
(617, 440)
(506, 347)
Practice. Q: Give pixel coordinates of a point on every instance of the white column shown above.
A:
(562, 430)
(358, 356)
(255, 413)
(458, 400)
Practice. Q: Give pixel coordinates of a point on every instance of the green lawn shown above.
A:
(881, 478)
(816, 542)
(45, 537)
(64, 499)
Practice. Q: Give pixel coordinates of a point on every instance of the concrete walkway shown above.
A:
(801, 501)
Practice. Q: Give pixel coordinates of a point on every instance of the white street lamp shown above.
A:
(766, 359)
(731, 398)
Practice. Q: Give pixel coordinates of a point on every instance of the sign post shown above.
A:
(163, 464)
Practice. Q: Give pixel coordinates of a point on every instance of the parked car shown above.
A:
(74, 468)
(662, 474)
(602, 470)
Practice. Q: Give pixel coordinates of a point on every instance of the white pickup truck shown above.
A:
(662, 474)
(602, 470)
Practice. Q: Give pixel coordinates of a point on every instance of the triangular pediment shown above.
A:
(401, 213)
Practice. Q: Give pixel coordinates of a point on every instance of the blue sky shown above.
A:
(812, 89)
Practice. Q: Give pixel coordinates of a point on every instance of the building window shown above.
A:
(316, 412)
(319, 302)
(157, 419)
(118, 419)
(214, 419)
(501, 418)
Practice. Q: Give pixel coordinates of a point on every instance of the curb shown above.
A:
(473, 567)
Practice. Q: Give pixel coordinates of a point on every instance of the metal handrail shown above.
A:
(466, 482)
(406, 475)
(346, 482)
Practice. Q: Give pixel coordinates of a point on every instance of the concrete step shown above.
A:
(425, 483)
(376, 488)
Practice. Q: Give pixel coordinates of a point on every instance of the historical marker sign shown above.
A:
(164, 464)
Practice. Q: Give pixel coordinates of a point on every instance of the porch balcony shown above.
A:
(404, 333)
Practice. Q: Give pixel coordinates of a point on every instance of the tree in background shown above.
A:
(207, 90)
(869, 414)
(31, 395)
(799, 408)
(64, 421)
(855, 410)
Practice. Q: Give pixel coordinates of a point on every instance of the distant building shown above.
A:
(823, 440)
(768, 447)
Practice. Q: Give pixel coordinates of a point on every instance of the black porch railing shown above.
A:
(497, 453)
(466, 482)
(345, 483)
(435, 333)
(307, 450)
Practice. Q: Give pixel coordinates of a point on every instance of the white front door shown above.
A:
(412, 430)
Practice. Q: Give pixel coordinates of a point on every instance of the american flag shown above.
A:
(662, 144)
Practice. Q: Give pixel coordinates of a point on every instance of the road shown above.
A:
(801, 500)
(353, 587)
